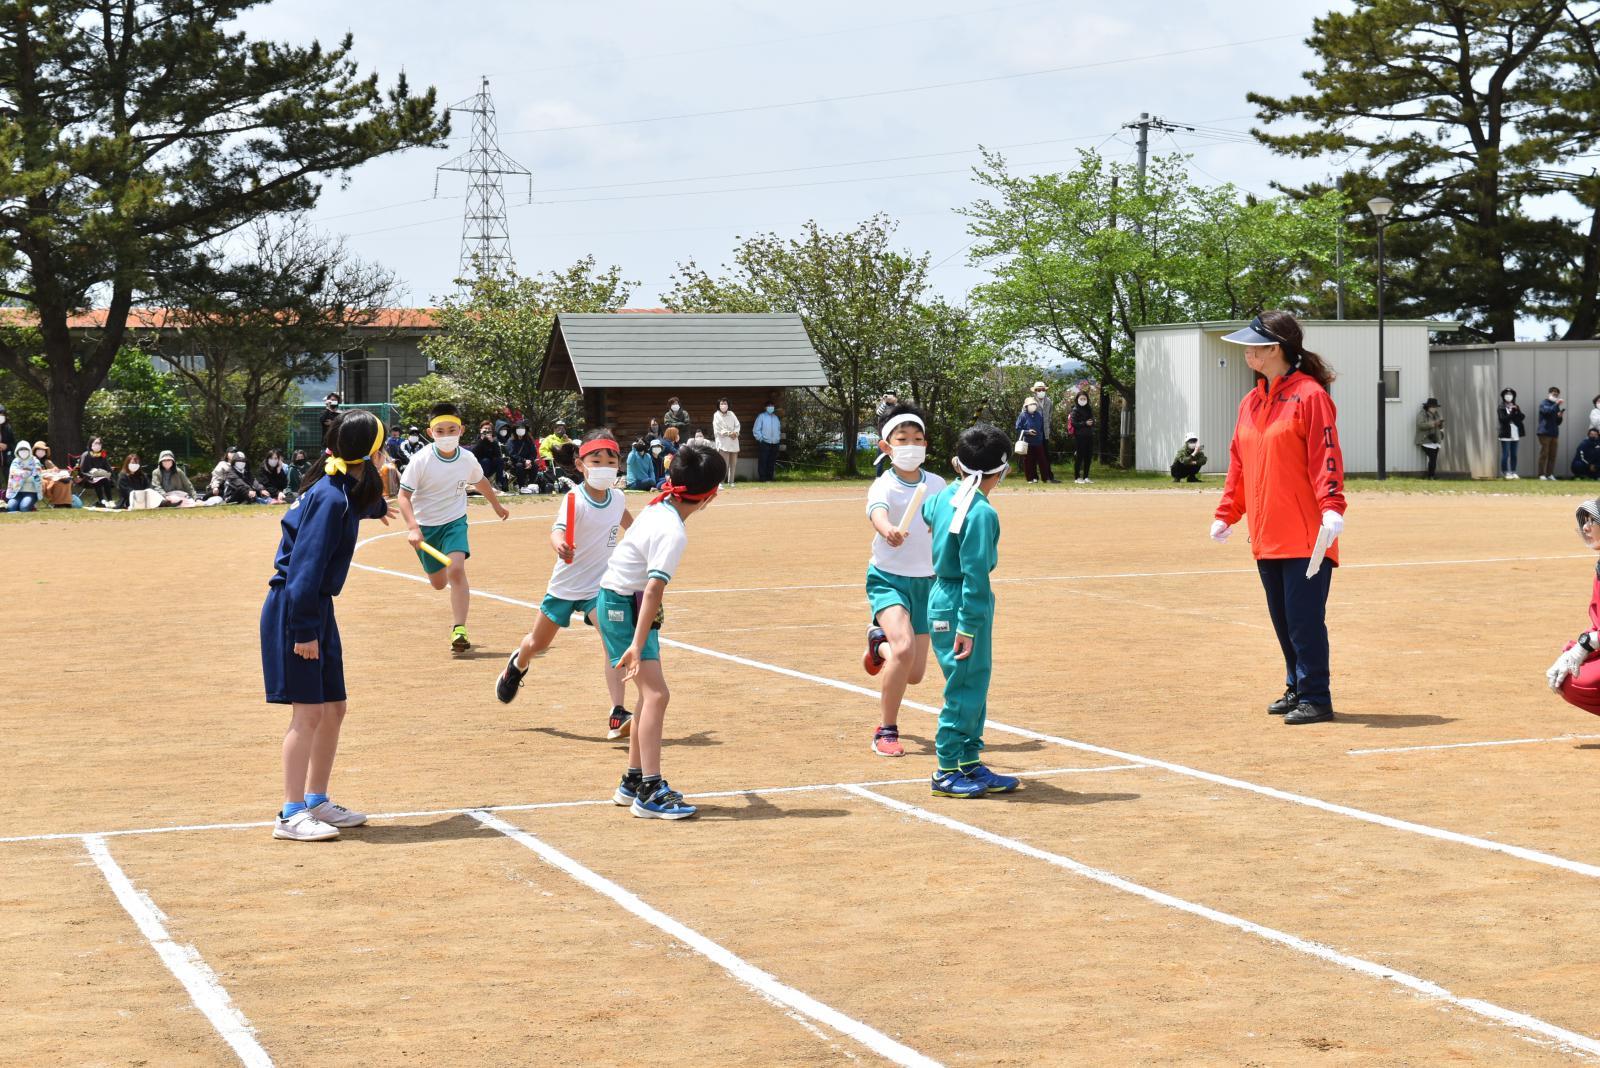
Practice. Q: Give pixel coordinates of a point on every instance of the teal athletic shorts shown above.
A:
(560, 611)
(448, 538)
(885, 591)
(615, 614)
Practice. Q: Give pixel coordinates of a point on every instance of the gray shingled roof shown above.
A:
(683, 351)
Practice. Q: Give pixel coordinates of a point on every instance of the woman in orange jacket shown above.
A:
(1286, 474)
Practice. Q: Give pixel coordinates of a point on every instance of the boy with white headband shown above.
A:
(966, 540)
(600, 516)
(433, 501)
(1576, 673)
(900, 575)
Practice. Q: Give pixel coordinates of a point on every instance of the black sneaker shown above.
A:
(619, 725)
(1285, 704)
(1306, 712)
(510, 681)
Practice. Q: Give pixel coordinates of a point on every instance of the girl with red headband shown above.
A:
(600, 516)
(629, 616)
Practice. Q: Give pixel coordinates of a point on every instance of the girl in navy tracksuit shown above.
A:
(301, 657)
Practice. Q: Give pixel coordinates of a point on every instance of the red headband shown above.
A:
(682, 494)
(598, 444)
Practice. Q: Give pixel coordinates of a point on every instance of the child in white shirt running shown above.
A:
(433, 501)
(600, 518)
(900, 576)
(629, 617)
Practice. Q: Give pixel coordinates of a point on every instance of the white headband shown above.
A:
(900, 420)
(969, 490)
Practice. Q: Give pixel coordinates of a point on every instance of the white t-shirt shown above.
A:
(439, 486)
(599, 527)
(914, 557)
(650, 549)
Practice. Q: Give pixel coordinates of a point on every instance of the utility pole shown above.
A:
(1144, 126)
(485, 236)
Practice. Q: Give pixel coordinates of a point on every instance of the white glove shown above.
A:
(1333, 523)
(1566, 666)
(1220, 531)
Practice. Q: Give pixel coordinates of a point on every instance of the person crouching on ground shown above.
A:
(1190, 459)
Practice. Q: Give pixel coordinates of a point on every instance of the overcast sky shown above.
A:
(614, 190)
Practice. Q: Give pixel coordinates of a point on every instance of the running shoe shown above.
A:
(620, 725)
(627, 790)
(665, 804)
(510, 680)
(955, 784)
(992, 783)
(336, 815)
(872, 659)
(886, 742)
(304, 827)
(458, 639)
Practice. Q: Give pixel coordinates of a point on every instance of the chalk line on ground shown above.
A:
(184, 962)
(1471, 745)
(1532, 1025)
(762, 982)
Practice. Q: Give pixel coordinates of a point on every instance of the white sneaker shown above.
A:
(304, 827)
(1088, 482)
(1508, 478)
(336, 815)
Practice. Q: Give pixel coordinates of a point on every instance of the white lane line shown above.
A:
(420, 813)
(1569, 1040)
(184, 962)
(763, 983)
(1551, 860)
(1548, 859)
(1471, 745)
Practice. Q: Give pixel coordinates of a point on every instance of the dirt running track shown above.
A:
(1184, 881)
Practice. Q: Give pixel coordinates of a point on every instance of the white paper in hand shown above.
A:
(1318, 551)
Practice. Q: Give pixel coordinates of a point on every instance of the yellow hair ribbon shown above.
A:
(338, 465)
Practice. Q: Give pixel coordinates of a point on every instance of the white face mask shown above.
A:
(601, 477)
(132, 468)
(909, 457)
(770, 409)
(447, 442)
(521, 433)
(414, 439)
(1507, 398)
(1083, 402)
(24, 454)
(675, 408)
(272, 463)
(1039, 393)
(239, 465)
(2, 420)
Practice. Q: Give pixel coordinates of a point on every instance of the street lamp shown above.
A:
(1380, 207)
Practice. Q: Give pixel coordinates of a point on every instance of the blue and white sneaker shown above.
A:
(627, 791)
(992, 783)
(665, 804)
(956, 784)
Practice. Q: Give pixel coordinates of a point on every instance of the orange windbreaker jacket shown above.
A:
(1285, 467)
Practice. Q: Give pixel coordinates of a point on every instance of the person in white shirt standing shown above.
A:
(433, 501)
(900, 576)
(725, 428)
(600, 516)
(629, 614)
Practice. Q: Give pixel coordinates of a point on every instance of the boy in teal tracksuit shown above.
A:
(966, 548)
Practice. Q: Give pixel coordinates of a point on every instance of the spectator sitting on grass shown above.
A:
(553, 441)
(641, 467)
(1190, 459)
(23, 486)
(133, 485)
(564, 468)
(174, 486)
(231, 481)
(524, 459)
(95, 472)
(56, 482)
(1586, 461)
(297, 469)
(274, 477)
(676, 417)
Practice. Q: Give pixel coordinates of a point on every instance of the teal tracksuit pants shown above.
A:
(959, 739)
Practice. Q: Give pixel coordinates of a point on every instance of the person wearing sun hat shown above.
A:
(1286, 475)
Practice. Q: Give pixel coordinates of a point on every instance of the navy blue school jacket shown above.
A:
(319, 537)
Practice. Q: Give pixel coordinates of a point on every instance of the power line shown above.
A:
(875, 94)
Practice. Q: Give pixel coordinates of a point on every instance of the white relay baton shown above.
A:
(913, 509)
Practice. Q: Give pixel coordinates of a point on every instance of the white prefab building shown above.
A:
(1191, 381)
(1468, 379)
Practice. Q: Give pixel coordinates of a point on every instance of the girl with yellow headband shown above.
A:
(301, 658)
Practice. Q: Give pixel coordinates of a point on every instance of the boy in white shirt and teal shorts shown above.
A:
(629, 613)
(433, 501)
(900, 576)
(600, 517)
